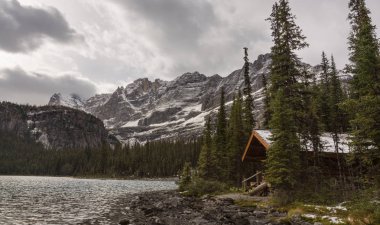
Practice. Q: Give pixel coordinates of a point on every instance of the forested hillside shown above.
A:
(22, 156)
(56, 127)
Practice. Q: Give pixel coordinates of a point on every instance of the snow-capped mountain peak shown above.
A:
(149, 110)
(73, 100)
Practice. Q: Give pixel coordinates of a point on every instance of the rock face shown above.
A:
(55, 127)
(171, 208)
(148, 110)
(73, 101)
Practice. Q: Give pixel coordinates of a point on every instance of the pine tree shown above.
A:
(324, 93)
(185, 179)
(206, 167)
(235, 140)
(249, 121)
(311, 129)
(266, 102)
(284, 155)
(338, 119)
(364, 51)
(220, 140)
(364, 104)
(336, 115)
(283, 162)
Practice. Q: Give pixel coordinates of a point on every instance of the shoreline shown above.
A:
(175, 179)
(172, 208)
(128, 178)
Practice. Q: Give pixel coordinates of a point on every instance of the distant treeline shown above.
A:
(20, 156)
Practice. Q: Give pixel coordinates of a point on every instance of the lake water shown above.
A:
(64, 200)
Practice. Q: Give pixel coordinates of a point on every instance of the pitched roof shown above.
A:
(327, 141)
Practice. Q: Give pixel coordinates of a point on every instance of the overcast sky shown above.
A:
(93, 46)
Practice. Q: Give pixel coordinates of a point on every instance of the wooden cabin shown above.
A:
(260, 141)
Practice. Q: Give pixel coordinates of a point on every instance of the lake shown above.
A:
(65, 200)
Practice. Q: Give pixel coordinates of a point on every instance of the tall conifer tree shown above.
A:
(206, 167)
(235, 140)
(324, 93)
(266, 102)
(311, 125)
(336, 116)
(220, 140)
(364, 104)
(284, 155)
(338, 119)
(283, 162)
(249, 121)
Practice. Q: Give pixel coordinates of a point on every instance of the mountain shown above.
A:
(56, 127)
(150, 110)
(72, 101)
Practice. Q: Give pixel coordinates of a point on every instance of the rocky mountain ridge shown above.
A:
(150, 110)
(55, 127)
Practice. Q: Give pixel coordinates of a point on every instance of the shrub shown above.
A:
(185, 179)
(365, 210)
(199, 186)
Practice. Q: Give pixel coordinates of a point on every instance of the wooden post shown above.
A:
(259, 178)
(256, 176)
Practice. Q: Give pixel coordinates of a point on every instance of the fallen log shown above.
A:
(259, 189)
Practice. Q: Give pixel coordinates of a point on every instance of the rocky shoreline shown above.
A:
(172, 208)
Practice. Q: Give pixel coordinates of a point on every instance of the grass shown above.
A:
(198, 187)
(247, 203)
(324, 214)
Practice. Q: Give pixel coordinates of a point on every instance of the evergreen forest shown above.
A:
(20, 156)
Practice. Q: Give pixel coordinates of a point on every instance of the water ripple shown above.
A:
(64, 200)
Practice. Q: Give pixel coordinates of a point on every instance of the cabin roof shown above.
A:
(265, 135)
(327, 141)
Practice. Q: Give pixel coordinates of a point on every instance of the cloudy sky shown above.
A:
(92, 46)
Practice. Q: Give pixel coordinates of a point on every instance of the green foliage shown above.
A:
(365, 134)
(220, 141)
(283, 160)
(249, 122)
(155, 159)
(364, 208)
(364, 102)
(364, 51)
(324, 93)
(207, 157)
(185, 179)
(338, 118)
(267, 113)
(329, 96)
(246, 203)
(287, 38)
(327, 192)
(310, 127)
(236, 141)
(200, 186)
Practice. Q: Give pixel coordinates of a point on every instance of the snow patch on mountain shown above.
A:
(73, 100)
(150, 110)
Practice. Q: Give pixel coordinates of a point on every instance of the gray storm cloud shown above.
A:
(24, 28)
(174, 23)
(192, 35)
(20, 86)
